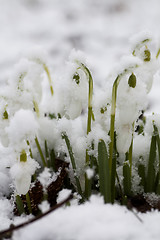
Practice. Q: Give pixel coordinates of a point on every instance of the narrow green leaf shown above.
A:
(65, 137)
(126, 179)
(30, 150)
(52, 159)
(104, 173)
(113, 178)
(158, 175)
(113, 172)
(151, 169)
(141, 173)
(40, 152)
(47, 153)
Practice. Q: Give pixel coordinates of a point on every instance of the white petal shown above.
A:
(124, 139)
(23, 184)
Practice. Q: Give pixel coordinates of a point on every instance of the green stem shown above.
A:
(65, 137)
(157, 55)
(28, 203)
(40, 152)
(89, 121)
(130, 156)
(20, 206)
(49, 77)
(36, 108)
(112, 121)
(30, 150)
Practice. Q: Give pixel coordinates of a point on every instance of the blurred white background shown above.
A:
(100, 28)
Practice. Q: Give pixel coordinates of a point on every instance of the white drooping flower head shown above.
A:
(76, 88)
(131, 100)
(25, 85)
(124, 138)
(22, 172)
(141, 44)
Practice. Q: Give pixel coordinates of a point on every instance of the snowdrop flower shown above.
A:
(146, 72)
(124, 138)
(150, 65)
(77, 87)
(25, 86)
(22, 172)
(132, 98)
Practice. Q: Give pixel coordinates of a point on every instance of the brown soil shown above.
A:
(143, 204)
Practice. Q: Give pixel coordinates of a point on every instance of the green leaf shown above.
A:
(141, 173)
(104, 173)
(151, 169)
(52, 159)
(65, 137)
(47, 153)
(126, 179)
(40, 152)
(158, 175)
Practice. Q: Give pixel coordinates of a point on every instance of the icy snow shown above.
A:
(102, 30)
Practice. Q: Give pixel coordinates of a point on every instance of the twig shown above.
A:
(8, 231)
(136, 215)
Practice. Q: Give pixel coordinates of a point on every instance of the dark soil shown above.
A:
(143, 204)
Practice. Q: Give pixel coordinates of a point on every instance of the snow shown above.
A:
(27, 121)
(49, 30)
(44, 206)
(93, 220)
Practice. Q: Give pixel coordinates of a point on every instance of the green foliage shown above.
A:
(104, 173)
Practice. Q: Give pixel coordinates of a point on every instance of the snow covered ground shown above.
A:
(101, 29)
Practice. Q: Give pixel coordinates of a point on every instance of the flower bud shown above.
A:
(5, 115)
(103, 110)
(132, 80)
(147, 55)
(76, 78)
(23, 156)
